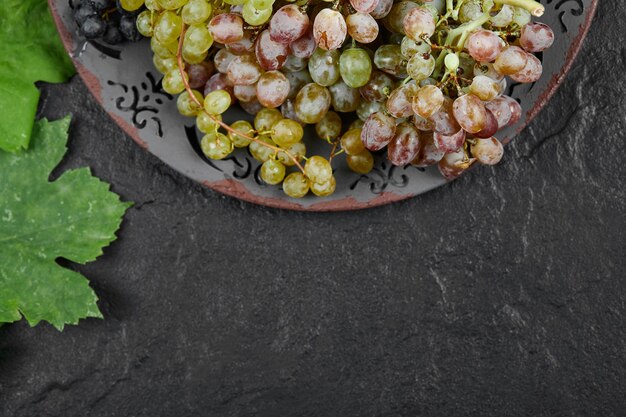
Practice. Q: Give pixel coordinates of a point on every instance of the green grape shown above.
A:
(168, 27)
(470, 10)
(172, 4)
(265, 119)
(192, 58)
(153, 5)
(196, 12)
(235, 2)
(164, 50)
(361, 163)
(131, 5)
(244, 127)
(217, 102)
(420, 68)
(297, 150)
(355, 67)
(262, 4)
(164, 65)
(409, 47)
(188, 107)
(296, 185)
(324, 67)
(198, 39)
(216, 146)
(351, 141)
(255, 17)
(312, 103)
(144, 23)
(357, 124)
(324, 189)
(329, 128)
(272, 171)
(389, 59)
(318, 169)
(207, 124)
(286, 132)
(260, 152)
(173, 82)
(521, 17)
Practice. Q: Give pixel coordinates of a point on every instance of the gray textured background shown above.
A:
(501, 294)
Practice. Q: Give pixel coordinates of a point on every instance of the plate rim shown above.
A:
(238, 190)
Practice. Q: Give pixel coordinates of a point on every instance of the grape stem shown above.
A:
(181, 69)
(535, 8)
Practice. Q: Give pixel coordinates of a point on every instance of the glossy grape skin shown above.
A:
(378, 88)
(394, 21)
(449, 143)
(312, 103)
(261, 152)
(536, 37)
(484, 45)
(164, 50)
(304, 46)
(288, 24)
(521, 16)
(485, 88)
(443, 120)
(329, 128)
(164, 65)
(171, 4)
(329, 29)
(272, 172)
(389, 59)
(487, 70)
(501, 110)
(251, 107)
(513, 59)
(207, 124)
(199, 74)
(196, 12)
(243, 46)
(216, 146)
(187, 106)
(470, 10)
(287, 132)
(344, 98)
(168, 27)
(198, 39)
(504, 17)
(361, 163)
(173, 82)
(516, 110)
(296, 185)
(288, 110)
(324, 67)
(453, 164)
(355, 67)
(470, 113)
(226, 28)
(409, 47)
(254, 16)
(378, 131)
(297, 151)
(265, 119)
(324, 189)
(427, 101)
(270, 55)
(244, 127)
(362, 27)
(356, 124)
(420, 67)
(364, 6)
(429, 154)
(399, 102)
(219, 81)
(295, 64)
(491, 126)
(145, 24)
(351, 142)
(405, 145)
(488, 151)
(418, 23)
(531, 72)
(318, 169)
(272, 89)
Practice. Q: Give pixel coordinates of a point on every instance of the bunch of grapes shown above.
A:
(425, 79)
(113, 21)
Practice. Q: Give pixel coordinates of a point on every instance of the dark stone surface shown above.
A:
(501, 294)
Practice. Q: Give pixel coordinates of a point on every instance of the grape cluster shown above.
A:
(425, 78)
(113, 21)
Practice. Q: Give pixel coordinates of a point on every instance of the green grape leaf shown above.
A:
(73, 217)
(30, 50)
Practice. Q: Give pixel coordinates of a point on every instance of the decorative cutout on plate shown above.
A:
(382, 176)
(576, 9)
(137, 100)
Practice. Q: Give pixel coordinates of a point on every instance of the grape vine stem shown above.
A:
(181, 69)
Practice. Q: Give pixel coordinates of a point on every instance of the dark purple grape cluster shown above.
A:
(105, 20)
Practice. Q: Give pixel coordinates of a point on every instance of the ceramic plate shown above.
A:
(125, 83)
